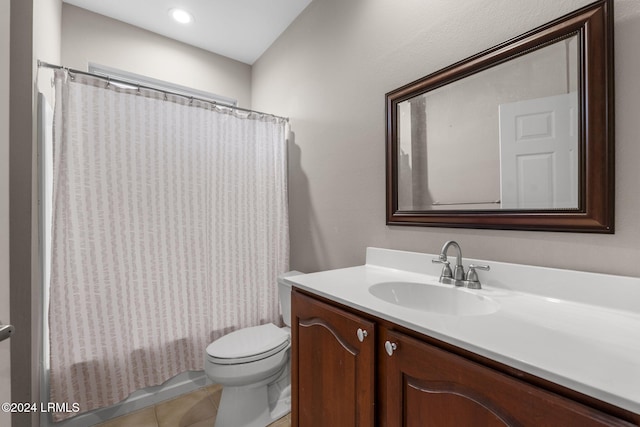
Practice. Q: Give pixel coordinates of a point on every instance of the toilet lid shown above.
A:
(249, 342)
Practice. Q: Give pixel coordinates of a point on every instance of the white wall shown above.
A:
(330, 71)
(89, 37)
(47, 21)
(5, 374)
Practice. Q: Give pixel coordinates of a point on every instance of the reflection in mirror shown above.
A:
(503, 138)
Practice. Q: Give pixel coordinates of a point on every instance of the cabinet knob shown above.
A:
(362, 334)
(390, 347)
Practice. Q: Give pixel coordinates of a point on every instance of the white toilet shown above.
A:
(252, 365)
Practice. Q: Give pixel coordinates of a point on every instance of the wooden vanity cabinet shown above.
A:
(332, 362)
(427, 386)
(340, 381)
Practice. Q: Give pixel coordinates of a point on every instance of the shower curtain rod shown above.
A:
(42, 64)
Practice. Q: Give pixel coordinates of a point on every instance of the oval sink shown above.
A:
(436, 299)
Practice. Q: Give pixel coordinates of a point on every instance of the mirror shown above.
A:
(517, 137)
(503, 138)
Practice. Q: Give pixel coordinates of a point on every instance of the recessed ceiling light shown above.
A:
(182, 16)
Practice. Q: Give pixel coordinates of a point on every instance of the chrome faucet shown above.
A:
(457, 277)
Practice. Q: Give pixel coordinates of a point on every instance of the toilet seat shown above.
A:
(248, 345)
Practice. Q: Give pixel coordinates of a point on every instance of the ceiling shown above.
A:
(238, 29)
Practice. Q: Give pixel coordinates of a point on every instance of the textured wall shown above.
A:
(330, 71)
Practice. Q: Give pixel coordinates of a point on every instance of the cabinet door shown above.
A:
(424, 385)
(332, 369)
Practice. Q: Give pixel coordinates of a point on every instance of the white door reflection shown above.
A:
(539, 153)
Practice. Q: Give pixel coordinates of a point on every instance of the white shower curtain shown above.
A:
(169, 229)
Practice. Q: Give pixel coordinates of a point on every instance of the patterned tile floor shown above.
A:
(197, 409)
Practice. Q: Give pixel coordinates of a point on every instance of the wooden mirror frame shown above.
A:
(593, 24)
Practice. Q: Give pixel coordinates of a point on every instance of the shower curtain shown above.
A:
(169, 229)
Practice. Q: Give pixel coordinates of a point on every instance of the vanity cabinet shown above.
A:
(332, 362)
(427, 386)
(388, 378)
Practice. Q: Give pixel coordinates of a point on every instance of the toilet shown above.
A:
(253, 367)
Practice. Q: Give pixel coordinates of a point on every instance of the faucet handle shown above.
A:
(447, 275)
(472, 277)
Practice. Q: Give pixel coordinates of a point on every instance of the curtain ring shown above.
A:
(108, 82)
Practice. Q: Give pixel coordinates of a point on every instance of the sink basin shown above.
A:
(432, 298)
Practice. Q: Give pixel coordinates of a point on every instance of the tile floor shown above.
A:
(197, 409)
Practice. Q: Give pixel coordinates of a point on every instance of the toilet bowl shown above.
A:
(252, 365)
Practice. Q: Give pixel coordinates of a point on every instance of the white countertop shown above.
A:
(580, 330)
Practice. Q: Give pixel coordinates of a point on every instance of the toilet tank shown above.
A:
(284, 293)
